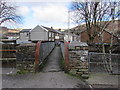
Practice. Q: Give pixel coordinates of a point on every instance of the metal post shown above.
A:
(89, 56)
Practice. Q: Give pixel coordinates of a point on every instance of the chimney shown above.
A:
(59, 29)
(51, 27)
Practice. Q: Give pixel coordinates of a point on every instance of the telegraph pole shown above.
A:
(68, 25)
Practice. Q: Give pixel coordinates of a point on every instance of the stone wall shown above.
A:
(78, 59)
(25, 57)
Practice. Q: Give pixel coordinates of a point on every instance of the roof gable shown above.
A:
(39, 28)
(49, 29)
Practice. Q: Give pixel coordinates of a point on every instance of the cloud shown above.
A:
(23, 10)
(50, 13)
(40, 0)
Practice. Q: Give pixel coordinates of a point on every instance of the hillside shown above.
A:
(111, 27)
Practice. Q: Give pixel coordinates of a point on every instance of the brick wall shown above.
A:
(106, 37)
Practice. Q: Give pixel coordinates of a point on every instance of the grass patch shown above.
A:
(21, 72)
(75, 75)
(79, 77)
(62, 64)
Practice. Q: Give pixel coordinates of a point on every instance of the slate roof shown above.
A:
(59, 32)
(52, 30)
(25, 30)
(49, 29)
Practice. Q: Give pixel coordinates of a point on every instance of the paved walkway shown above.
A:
(53, 64)
(50, 77)
(103, 80)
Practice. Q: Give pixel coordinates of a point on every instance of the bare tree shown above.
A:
(93, 13)
(8, 13)
(97, 16)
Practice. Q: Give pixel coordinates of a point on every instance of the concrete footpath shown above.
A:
(53, 77)
(50, 77)
(103, 80)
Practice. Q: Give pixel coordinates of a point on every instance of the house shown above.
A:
(55, 34)
(111, 29)
(24, 34)
(12, 34)
(106, 36)
(45, 34)
(59, 35)
(38, 33)
(51, 33)
(71, 37)
(7, 33)
(42, 33)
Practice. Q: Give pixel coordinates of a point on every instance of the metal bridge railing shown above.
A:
(43, 49)
(65, 54)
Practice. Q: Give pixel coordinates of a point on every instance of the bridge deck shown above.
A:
(53, 61)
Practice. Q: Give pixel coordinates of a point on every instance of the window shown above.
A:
(27, 34)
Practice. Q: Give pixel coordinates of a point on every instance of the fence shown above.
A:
(8, 51)
(99, 62)
(8, 55)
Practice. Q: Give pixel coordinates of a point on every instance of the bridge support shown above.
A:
(66, 57)
(37, 54)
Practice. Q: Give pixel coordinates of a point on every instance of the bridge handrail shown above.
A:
(37, 52)
(66, 54)
(43, 49)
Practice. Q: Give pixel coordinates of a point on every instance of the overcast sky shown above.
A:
(52, 14)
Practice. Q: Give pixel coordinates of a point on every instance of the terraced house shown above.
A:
(110, 31)
(39, 33)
